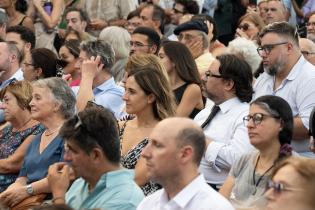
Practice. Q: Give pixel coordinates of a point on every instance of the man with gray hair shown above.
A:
(97, 83)
(288, 75)
(193, 34)
(307, 49)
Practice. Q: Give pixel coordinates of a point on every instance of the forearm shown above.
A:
(41, 186)
(7, 166)
(85, 93)
(118, 22)
(297, 10)
(299, 130)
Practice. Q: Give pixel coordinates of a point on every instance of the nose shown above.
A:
(2, 105)
(125, 96)
(145, 151)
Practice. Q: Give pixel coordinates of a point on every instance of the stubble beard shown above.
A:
(277, 67)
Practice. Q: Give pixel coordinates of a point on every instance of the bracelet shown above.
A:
(58, 198)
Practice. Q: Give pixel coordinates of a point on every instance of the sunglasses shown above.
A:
(244, 26)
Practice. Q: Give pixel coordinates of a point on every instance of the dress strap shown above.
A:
(21, 23)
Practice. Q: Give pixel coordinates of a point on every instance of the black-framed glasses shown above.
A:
(257, 118)
(306, 53)
(139, 44)
(278, 187)
(268, 48)
(210, 74)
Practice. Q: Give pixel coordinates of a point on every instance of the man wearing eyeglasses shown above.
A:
(181, 8)
(288, 75)
(228, 84)
(144, 40)
(307, 49)
(194, 34)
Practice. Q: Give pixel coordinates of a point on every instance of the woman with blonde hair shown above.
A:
(149, 98)
(249, 26)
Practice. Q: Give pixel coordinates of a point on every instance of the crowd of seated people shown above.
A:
(157, 104)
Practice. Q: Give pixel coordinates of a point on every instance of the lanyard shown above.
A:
(260, 178)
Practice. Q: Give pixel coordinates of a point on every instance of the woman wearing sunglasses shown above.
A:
(69, 57)
(270, 128)
(249, 26)
(292, 185)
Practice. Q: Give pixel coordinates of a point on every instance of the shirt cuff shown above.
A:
(211, 154)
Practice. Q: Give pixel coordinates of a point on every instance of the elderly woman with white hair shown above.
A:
(246, 49)
(119, 38)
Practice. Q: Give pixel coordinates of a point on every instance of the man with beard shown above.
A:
(228, 83)
(288, 75)
(310, 25)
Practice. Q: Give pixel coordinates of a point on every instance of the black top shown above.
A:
(179, 92)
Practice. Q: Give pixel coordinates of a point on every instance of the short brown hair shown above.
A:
(22, 91)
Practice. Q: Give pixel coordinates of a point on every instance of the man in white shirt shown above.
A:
(172, 159)
(288, 75)
(228, 84)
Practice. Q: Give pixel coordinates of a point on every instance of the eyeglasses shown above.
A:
(279, 187)
(306, 53)
(310, 24)
(244, 26)
(210, 74)
(187, 37)
(139, 44)
(268, 48)
(257, 118)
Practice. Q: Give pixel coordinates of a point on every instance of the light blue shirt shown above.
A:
(298, 89)
(115, 190)
(109, 95)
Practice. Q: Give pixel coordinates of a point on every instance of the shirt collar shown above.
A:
(296, 68)
(18, 75)
(114, 178)
(106, 85)
(186, 194)
(229, 104)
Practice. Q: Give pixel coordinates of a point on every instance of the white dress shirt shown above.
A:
(230, 139)
(196, 195)
(298, 89)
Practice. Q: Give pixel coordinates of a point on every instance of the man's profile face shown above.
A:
(15, 38)
(275, 12)
(74, 21)
(139, 44)
(146, 17)
(162, 154)
(5, 62)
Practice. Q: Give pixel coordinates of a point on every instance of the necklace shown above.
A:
(260, 178)
(51, 132)
(25, 123)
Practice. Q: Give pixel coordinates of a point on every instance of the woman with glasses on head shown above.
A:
(249, 26)
(52, 103)
(184, 78)
(292, 185)
(149, 98)
(40, 63)
(270, 128)
(20, 131)
(69, 56)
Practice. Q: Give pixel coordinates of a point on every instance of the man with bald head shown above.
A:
(172, 158)
(307, 49)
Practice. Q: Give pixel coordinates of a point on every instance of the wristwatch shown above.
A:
(29, 189)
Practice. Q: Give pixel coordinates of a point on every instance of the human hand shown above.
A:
(195, 48)
(98, 24)
(13, 196)
(90, 67)
(59, 177)
(241, 33)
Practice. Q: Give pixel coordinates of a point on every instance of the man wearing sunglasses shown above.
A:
(288, 75)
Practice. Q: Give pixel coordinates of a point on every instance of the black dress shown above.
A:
(179, 92)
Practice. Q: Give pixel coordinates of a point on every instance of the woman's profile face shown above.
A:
(249, 28)
(65, 54)
(292, 195)
(263, 128)
(135, 98)
(43, 103)
(167, 63)
(10, 107)
(29, 72)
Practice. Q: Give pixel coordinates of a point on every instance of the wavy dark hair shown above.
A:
(238, 70)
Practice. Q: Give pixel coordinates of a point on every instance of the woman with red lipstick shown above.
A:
(270, 128)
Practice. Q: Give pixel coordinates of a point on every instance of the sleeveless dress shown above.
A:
(9, 142)
(129, 161)
(179, 92)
